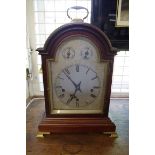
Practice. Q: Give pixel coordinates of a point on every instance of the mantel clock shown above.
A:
(77, 64)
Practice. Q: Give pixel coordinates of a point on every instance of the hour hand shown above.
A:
(72, 96)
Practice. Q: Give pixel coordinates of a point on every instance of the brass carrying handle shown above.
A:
(77, 8)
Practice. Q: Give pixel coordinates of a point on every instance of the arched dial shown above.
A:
(77, 86)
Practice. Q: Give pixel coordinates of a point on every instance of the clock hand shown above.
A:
(70, 79)
(68, 53)
(78, 87)
(72, 96)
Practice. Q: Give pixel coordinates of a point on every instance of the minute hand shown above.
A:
(71, 80)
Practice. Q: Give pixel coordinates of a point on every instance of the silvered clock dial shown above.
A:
(77, 85)
(86, 53)
(77, 77)
(68, 53)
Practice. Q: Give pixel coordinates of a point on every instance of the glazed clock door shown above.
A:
(77, 78)
(77, 86)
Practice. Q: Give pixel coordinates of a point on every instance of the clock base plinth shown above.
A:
(76, 125)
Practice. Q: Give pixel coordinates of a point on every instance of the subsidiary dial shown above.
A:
(77, 86)
(68, 53)
(86, 53)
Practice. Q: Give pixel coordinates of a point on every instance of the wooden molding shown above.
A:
(76, 125)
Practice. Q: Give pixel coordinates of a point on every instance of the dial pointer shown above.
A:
(72, 96)
(70, 79)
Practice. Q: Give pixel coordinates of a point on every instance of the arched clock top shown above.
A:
(106, 51)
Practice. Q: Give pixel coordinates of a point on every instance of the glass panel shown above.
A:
(39, 45)
(124, 86)
(49, 5)
(126, 71)
(49, 28)
(116, 90)
(47, 35)
(83, 3)
(117, 79)
(39, 5)
(60, 16)
(40, 28)
(119, 61)
(39, 60)
(39, 69)
(60, 5)
(88, 18)
(39, 17)
(40, 75)
(40, 39)
(117, 70)
(41, 86)
(67, 20)
(125, 90)
(127, 53)
(121, 72)
(126, 61)
(50, 17)
(70, 3)
(125, 80)
(40, 78)
(121, 53)
(116, 86)
(58, 25)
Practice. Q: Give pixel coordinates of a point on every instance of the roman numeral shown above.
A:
(66, 70)
(77, 104)
(87, 70)
(77, 68)
(92, 95)
(94, 78)
(61, 96)
(60, 78)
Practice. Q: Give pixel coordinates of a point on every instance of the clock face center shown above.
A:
(77, 86)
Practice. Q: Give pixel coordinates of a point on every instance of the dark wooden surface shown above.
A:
(79, 144)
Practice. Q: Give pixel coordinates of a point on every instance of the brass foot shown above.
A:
(41, 134)
(111, 134)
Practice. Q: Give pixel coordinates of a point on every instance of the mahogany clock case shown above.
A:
(77, 122)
